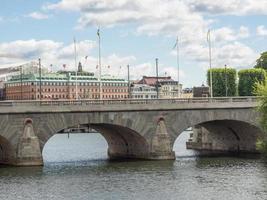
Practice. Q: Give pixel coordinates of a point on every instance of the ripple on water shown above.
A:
(77, 168)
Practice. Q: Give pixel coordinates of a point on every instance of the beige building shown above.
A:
(167, 87)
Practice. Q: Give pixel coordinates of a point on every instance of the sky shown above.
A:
(134, 32)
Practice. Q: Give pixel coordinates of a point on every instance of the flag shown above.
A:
(108, 66)
(96, 66)
(176, 43)
(86, 57)
(98, 32)
(64, 66)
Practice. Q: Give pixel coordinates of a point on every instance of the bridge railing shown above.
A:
(86, 102)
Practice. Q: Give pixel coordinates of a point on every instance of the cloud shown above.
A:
(57, 54)
(38, 15)
(226, 34)
(261, 31)
(228, 7)
(50, 51)
(151, 17)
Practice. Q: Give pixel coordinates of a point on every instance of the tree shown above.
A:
(261, 62)
(261, 90)
(247, 80)
(223, 81)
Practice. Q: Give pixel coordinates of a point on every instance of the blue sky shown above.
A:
(135, 33)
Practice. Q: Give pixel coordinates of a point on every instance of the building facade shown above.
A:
(65, 85)
(167, 87)
(143, 91)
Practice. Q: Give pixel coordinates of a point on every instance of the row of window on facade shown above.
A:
(14, 90)
(66, 84)
(144, 96)
(93, 96)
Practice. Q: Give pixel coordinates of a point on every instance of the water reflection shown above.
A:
(77, 168)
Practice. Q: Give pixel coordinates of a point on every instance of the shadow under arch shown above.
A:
(7, 153)
(123, 143)
(224, 136)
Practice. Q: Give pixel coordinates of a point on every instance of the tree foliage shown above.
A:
(261, 62)
(223, 81)
(247, 80)
(261, 90)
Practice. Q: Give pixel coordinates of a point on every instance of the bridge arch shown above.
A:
(226, 136)
(219, 129)
(123, 142)
(7, 153)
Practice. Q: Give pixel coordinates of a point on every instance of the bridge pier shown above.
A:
(161, 148)
(28, 152)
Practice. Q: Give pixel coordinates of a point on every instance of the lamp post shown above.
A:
(20, 82)
(226, 84)
(157, 74)
(129, 86)
(40, 79)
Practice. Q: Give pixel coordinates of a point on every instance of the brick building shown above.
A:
(62, 85)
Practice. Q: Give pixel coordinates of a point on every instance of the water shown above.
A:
(77, 168)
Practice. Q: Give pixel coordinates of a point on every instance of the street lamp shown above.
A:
(20, 82)
(129, 85)
(157, 73)
(40, 79)
(226, 87)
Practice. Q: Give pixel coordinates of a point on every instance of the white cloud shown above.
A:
(57, 54)
(228, 7)
(38, 15)
(226, 34)
(261, 31)
(235, 55)
(151, 16)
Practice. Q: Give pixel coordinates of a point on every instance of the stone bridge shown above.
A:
(133, 129)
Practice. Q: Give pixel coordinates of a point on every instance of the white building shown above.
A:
(143, 91)
(170, 89)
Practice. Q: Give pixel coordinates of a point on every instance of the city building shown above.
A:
(168, 88)
(187, 93)
(65, 85)
(202, 91)
(143, 91)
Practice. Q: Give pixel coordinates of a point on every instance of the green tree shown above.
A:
(247, 80)
(223, 81)
(261, 90)
(261, 62)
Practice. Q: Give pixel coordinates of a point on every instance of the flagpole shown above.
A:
(99, 63)
(209, 42)
(75, 57)
(178, 59)
(178, 64)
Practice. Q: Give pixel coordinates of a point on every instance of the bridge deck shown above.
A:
(51, 106)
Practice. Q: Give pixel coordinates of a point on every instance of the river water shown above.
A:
(77, 168)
